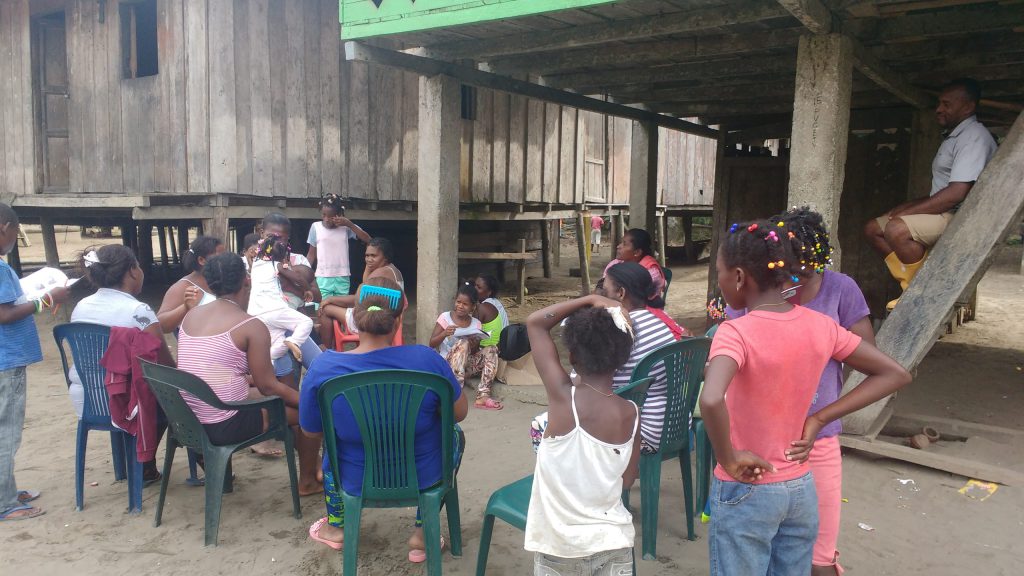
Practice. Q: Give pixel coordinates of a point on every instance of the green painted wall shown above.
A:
(362, 18)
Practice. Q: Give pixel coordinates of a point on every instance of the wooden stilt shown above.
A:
(182, 240)
(582, 245)
(661, 239)
(217, 225)
(691, 250)
(521, 274)
(556, 241)
(175, 255)
(49, 242)
(145, 243)
(161, 232)
(545, 246)
(14, 260)
(130, 236)
(618, 229)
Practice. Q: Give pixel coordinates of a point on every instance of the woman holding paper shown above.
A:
(457, 336)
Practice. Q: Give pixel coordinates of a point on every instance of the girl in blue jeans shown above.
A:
(764, 508)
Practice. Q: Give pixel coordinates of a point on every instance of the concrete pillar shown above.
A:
(438, 200)
(821, 121)
(643, 176)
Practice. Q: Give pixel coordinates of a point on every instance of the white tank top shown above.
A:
(576, 506)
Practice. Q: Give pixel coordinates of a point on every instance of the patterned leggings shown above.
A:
(484, 362)
(336, 505)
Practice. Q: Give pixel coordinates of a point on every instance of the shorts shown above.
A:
(243, 425)
(610, 563)
(595, 236)
(333, 285)
(924, 228)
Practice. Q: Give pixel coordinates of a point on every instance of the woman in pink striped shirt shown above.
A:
(228, 348)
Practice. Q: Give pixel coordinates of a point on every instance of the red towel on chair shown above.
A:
(133, 407)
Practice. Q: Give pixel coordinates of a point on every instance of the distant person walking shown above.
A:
(596, 223)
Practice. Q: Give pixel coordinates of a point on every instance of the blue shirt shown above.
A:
(350, 445)
(19, 341)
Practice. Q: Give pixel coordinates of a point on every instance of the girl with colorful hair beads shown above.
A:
(328, 247)
(267, 301)
(764, 506)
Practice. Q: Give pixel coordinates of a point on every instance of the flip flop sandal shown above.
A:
(314, 533)
(420, 556)
(490, 404)
(26, 496)
(6, 516)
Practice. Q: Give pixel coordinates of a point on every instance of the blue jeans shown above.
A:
(763, 529)
(284, 366)
(12, 419)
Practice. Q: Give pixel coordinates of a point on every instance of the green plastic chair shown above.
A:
(385, 405)
(667, 273)
(684, 368)
(185, 430)
(705, 454)
(511, 503)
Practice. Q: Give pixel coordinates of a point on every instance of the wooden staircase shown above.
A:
(955, 265)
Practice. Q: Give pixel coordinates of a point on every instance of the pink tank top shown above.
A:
(218, 362)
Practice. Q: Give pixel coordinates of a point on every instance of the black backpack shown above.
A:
(513, 343)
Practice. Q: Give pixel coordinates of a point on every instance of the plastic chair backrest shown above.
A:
(667, 273)
(711, 331)
(88, 343)
(684, 368)
(167, 385)
(636, 391)
(385, 405)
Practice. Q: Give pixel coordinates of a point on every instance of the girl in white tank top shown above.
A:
(589, 452)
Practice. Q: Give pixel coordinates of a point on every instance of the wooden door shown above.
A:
(52, 98)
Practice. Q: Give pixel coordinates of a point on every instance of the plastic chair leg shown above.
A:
(193, 470)
(118, 453)
(704, 466)
(217, 469)
(430, 509)
(172, 445)
(82, 440)
(485, 545)
(684, 468)
(353, 517)
(650, 488)
(134, 474)
(293, 478)
(451, 506)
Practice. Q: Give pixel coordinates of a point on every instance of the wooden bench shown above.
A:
(521, 258)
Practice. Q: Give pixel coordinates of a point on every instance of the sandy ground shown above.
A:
(922, 528)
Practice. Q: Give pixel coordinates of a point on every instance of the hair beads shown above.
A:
(716, 309)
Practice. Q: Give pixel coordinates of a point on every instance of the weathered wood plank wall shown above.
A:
(17, 136)
(253, 97)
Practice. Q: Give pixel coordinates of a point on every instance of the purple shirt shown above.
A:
(840, 299)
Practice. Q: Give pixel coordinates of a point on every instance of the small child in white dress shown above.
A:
(267, 301)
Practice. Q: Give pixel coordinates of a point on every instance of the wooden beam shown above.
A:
(958, 22)
(697, 49)
(355, 51)
(811, 13)
(955, 265)
(680, 22)
(778, 65)
(869, 65)
(723, 108)
(528, 256)
(945, 462)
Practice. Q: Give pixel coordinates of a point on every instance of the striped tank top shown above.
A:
(218, 362)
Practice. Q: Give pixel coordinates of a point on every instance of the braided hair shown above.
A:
(815, 253)
(272, 248)
(596, 345)
(765, 250)
(333, 202)
(224, 274)
(201, 247)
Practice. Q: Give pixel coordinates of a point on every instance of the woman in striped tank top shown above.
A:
(225, 346)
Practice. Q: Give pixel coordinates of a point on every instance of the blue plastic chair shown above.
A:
(88, 343)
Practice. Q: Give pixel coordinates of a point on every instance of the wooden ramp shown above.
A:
(954, 267)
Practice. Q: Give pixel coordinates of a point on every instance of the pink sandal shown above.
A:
(314, 533)
(490, 404)
(417, 556)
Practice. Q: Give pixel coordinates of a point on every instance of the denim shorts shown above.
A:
(610, 563)
(763, 529)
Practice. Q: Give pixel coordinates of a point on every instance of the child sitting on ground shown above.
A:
(267, 300)
(576, 522)
(764, 509)
(457, 337)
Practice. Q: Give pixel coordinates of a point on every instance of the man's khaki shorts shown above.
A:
(924, 228)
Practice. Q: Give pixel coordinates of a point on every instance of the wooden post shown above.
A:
(661, 239)
(438, 199)
(545, 246)
(821, 121)
(217, 224)
(175, 255)
(691, 250)
(130, 236)
(618, 229)
(520, 274)
(14, 260)
(556, 241)
(161, 232)
(582, 243)
(182, 240)
(643, 175)
(719, 211)
(145, 253)
(49, 242)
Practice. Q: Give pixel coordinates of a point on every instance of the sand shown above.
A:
(922, 528)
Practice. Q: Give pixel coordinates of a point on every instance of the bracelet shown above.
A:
(39, 305)
(45, 303)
